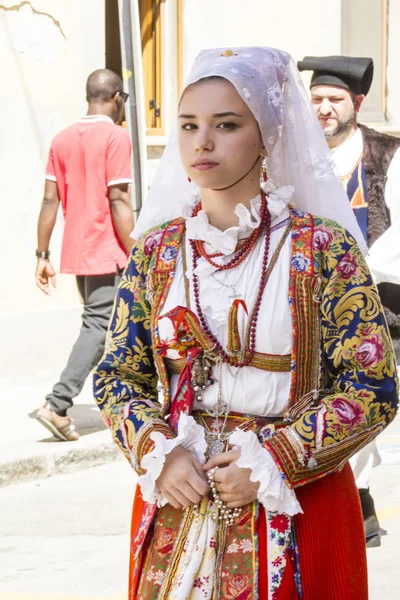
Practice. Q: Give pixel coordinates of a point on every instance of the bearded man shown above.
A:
(368, 163)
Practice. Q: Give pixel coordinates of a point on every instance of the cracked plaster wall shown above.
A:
(32, 32)
(47, 50)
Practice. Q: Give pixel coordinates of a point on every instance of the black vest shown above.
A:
(379, 150)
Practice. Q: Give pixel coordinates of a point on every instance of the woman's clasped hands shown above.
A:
(183, 480)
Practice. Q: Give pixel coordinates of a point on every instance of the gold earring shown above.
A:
(267, 185)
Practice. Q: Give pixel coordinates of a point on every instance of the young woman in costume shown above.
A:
(247, 358)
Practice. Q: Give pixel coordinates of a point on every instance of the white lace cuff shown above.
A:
(190, 436)
(273, 492)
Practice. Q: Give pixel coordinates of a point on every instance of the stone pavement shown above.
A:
(67, 537)
(28, 451)
(383, 562)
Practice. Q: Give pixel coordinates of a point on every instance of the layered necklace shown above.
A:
(202, 370)
(242, 252)
(244, 247)
(217, 438)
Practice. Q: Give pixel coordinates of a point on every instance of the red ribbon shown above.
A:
(184, 397)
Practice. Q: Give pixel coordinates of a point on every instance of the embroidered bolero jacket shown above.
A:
(343, 388)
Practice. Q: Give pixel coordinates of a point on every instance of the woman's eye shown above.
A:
(188, 126)
(227, 126)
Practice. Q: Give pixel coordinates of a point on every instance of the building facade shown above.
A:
(48, 48)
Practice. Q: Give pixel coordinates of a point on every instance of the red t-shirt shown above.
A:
(84, 160)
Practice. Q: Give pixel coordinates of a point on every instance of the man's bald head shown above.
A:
(102, 85)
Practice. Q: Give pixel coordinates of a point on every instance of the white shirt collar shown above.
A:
(347, 154)
(95, 119)
(199, 227)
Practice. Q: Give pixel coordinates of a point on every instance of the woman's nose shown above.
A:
(204, 141)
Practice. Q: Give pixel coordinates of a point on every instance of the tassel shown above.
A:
(184, 397)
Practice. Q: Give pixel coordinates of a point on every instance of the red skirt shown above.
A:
(330, 538)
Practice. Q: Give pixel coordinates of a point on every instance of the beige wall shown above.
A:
(393, 69)
(45, 60)
(300, 28)
(313, 28)
(309, 27)
(226, 23)
(46, 55)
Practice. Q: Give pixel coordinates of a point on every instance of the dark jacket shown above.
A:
(379, 150)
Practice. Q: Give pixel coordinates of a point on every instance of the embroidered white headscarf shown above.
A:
(269, 82)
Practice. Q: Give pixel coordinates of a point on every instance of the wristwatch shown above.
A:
(45, 254)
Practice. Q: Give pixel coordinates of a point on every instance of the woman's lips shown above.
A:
(204, 166)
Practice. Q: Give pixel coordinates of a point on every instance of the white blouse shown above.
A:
(249, 390)
(217, 292)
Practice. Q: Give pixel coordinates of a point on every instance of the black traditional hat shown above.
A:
(348, 72)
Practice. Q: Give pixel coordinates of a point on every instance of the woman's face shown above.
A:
(219, 138)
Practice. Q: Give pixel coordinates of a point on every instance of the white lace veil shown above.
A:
(269, 82)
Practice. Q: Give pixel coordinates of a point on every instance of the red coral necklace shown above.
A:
(244, 247)
(242, 253)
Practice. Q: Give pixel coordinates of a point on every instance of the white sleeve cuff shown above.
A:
(117, 181)
(273, 492)
(50, 177)
(383, 258)
(190, 436)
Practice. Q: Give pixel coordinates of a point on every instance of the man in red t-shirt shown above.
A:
(88, 172)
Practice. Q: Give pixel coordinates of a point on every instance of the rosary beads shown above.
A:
(225, 513)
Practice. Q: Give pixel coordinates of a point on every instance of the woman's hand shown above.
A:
(182, 481)
(232, 482)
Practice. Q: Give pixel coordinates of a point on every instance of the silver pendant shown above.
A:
(216, 448)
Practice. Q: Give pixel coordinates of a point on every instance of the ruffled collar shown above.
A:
(199, 227)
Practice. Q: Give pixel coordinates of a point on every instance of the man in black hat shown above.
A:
(369, 165)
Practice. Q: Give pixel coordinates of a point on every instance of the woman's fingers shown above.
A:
(221, 476)
(227, 497)
(235, 500)
(177, 498)
(236, 504)
(181, 497)
(222, 459)
(234, 486)
(198, 468)
(171, 500)
(192, 496)
(198, 482)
